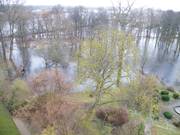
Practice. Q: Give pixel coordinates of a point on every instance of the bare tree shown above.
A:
(2, 25)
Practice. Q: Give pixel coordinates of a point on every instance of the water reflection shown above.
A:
(164, 68)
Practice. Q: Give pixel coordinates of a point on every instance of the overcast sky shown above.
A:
(157, 4)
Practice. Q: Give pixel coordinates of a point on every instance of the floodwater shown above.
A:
(166, 69)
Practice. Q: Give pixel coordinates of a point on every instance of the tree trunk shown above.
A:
(119, 74)
(11, 41)
(120, 66)
(3, 47)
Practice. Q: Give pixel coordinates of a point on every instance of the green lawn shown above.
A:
(162, 128)
(7, 126)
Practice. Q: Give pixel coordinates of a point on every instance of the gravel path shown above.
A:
(21, 126)
(148, 127)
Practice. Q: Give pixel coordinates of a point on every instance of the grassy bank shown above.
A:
(7, 126)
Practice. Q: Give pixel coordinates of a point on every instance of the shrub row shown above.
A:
(165, 98)
(164, 92)
(176, 96)
(168, 115)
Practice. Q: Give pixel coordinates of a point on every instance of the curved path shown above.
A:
(21, 126)
(170, 107)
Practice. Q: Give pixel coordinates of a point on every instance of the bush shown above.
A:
(141, 100)
(49, 80)
(50, 109)
(155, 111)
(165, 98)
(114, 116)
(13, 103)
(176, 96)
(168, 115)
(17, 95)
(164, 92)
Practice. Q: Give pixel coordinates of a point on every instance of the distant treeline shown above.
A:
(74, 24)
